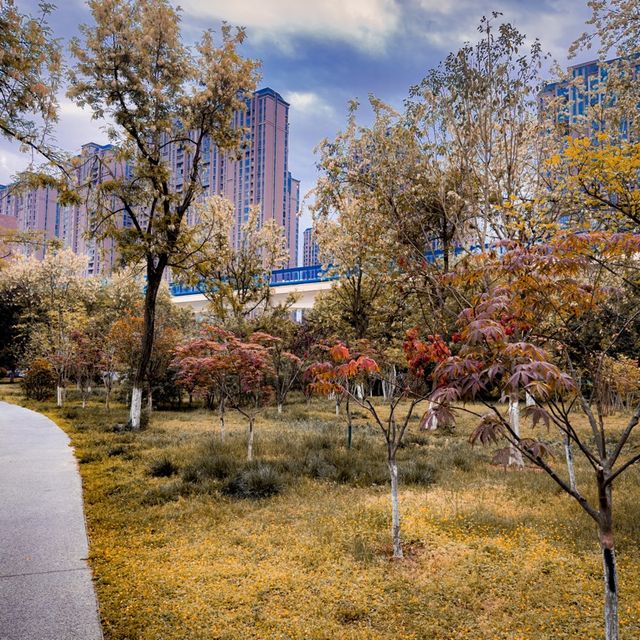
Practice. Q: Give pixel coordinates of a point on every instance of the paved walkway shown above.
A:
(46, 592)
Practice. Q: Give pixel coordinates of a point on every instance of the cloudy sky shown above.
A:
(320, 53)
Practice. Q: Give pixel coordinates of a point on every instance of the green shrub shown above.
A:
(210, 465)
(457, 455)
(346, 466)
(417, 472)
(317, 466)
(71, 413)
(40, 380)
(257, 481)
(162, 468)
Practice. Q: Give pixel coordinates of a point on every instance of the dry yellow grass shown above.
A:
(491, 555)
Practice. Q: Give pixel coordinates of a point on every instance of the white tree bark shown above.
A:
(528, 399)
(434, 420)
(136, 407)
(515, 456)
(568, 452)
(59, 395)
(395, 510)
(279, 408)
(388, 385)
(250, 441)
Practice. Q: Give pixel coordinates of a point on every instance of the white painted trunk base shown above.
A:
(395, 511)
(515, 456)
(434, 421)
(568, 452)
(250, 442)
(136, 407)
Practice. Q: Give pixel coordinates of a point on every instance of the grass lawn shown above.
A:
(177, 554)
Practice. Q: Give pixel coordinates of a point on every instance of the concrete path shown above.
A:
(46, 592)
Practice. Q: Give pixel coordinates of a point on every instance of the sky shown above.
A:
(319, 54)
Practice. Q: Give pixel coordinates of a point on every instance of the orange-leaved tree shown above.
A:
(551, 293)
(346, 374)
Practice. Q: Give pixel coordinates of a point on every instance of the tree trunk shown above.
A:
(337, 407)
(388, 385)
(395, 509)
(221, 414)
(568, 452)
(136, 407)
(279, 408)
(59, 395)
(434, 420)
(611, 631)
(515, 456)
(154, 278)
(250, 441)
(149, 400)
(610, 572)
(349, 425)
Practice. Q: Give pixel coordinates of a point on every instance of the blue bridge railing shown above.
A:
(279, 278)
(302, 275)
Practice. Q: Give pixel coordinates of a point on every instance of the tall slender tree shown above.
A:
(133, 67)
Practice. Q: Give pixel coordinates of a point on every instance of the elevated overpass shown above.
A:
(304, 282)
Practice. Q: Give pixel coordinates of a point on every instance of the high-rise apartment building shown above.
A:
(309, 248)
(580, 90)
(584, 89)
(32, 210)
(258, 174)
(97, 164)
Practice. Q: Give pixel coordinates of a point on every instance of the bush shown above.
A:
(256, 481)
(417, 472)
(71, 413)
(210, 465)
(345, 466)
(162, 468)
(457, 455)
(40, 380)
(3, 373)
(317, 466)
